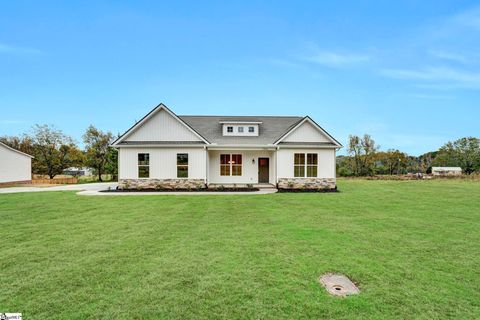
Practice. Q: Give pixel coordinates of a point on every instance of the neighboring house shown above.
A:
(15, 166)
(446, 171)
(74, 171)
(164, 150)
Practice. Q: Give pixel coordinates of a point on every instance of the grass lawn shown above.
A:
(413, 247)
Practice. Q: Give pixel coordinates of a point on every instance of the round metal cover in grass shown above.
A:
(338, 285)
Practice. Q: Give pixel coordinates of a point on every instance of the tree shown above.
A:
(23, 143)
(97, 150)
(362, 152)
(394, 161)
(53, 151)
(464, 153)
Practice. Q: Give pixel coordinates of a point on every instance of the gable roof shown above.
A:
(15, 150)
(271, 129)
(157, 109)
(209, 129)
(315, 125)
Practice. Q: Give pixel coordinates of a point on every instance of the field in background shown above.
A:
(411, 246)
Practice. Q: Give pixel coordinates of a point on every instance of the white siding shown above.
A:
(162, 127)
(249, 169)
(14, 166)
(326, 162)
(163, 162)
(307, 132)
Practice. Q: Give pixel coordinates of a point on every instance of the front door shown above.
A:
(263, 173)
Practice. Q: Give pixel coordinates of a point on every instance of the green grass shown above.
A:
(413, 247)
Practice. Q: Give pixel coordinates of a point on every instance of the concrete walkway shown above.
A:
(173, 193)
(92, 189)
(69, 187)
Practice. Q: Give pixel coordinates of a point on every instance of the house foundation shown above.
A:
(162, 184)
(307, 183)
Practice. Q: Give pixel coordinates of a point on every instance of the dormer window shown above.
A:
(240, 128)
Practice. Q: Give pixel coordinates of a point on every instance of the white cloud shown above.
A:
(335, 59)
(12, 121)
(469, 18)
(444, 76)
(10, 49)
(449, 56)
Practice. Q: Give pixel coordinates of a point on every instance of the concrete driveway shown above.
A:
(70, 187)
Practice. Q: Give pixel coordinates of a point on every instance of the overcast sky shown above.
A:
(406, 72)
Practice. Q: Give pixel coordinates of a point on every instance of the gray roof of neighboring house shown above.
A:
(271, 129)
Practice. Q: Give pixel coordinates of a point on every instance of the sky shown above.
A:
(405, 72)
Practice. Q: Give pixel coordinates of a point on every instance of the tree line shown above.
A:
(364, 158)
(55, 151)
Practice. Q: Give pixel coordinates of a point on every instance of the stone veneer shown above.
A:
(307, 183)
(161, 184)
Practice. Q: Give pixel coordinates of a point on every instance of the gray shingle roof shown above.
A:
(271, 129)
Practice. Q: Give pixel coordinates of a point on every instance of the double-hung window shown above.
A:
(182, 165)
(229, 129)
(143, 165)
(230, 164)
(302, 168)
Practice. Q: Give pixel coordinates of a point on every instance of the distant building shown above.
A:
(446, 171)
(15, 166)
(73, 171)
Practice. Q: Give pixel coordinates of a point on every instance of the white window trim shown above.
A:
(183, 165)
(230, 165)
(143, 165)
(305, 164)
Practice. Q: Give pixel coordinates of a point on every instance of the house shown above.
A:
(15, 166)
(446, 171)
(76, 172)
(165, 150)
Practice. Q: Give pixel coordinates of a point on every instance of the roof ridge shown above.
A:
(218, 116)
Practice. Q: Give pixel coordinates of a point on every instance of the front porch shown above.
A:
(247, 167)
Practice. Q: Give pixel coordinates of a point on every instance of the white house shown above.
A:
(15, 166)
(446, 171)
(165, 150)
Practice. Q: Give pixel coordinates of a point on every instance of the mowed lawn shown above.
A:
(413, 248)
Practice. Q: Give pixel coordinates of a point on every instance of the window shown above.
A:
(143, 165)
(236, 164)
(224, 164)
(240, 129)
(299, 165)
(182, 165)
(229, 129)
(312, 163)
(230, 164)
(251, 129)
(308, 168)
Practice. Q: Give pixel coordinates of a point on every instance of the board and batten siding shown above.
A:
(326, 162)
(306, 133)
(163, 162)
(162, 127)
(14, 166)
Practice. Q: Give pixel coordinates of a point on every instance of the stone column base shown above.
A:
(307, 183)
(161, 184)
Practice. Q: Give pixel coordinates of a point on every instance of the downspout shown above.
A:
(206, 165)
